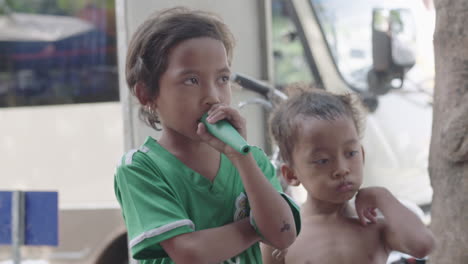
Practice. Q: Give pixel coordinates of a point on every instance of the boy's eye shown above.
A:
(321, 161)
(191, 81)
(352, 153)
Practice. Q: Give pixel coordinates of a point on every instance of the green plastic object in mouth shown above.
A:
(225, 132)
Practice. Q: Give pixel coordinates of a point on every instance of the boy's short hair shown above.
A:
(150, 46)
(306, 101)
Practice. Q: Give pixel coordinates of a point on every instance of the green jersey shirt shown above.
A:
(161, 198)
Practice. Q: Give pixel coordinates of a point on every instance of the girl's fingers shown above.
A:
(203, 133)
(216, 116)
(214, 107)
(208, 138)
(221, 112)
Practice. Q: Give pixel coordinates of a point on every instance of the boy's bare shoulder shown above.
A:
(338, 241)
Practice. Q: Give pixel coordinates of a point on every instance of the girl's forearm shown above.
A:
(271, 212)
(212, 245)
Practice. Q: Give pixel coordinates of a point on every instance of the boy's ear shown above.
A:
(141, 93)
(289, 175)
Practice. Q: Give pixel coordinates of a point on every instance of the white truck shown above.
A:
(74, 148)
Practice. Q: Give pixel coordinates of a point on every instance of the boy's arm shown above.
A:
(212, 245)
(403, 230)
(268, 255)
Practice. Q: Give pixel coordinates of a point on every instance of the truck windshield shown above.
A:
(348, 30)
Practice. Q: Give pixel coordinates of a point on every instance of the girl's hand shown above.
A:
(366, 204)
(220, 112)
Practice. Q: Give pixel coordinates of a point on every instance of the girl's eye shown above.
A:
(321, 161)
(224, 79)
(191, 81)
(352, 153)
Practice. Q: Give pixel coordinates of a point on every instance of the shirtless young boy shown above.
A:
(319, 137)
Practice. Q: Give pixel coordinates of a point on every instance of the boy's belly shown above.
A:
(338, 244)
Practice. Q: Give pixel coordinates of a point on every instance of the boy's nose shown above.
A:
(341, 173)
(341, 170)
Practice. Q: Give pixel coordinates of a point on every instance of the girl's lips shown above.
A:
(345, 187)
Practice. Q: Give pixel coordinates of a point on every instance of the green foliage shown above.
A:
(28, 6)
(54, 7)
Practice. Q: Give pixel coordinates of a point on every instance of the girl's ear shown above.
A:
(289, 175)
(363, 155)
(141, 93)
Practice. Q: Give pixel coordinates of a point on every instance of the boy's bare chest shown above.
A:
(337, 243)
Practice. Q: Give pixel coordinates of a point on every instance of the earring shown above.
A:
(150, 110)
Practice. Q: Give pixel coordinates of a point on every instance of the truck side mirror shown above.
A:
(393, 49)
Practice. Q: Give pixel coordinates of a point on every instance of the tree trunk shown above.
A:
(448, 162)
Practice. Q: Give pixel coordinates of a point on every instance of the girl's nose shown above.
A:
(211, 95)
(211, 100)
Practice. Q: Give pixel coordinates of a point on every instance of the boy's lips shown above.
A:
(345, 187)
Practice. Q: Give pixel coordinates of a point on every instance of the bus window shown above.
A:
(290, 65)
(57, 52)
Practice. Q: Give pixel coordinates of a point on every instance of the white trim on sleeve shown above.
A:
(129, 156)
(144, 149)
(160, 230)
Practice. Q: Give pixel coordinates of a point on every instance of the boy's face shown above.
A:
(327, 159)
(197, 77)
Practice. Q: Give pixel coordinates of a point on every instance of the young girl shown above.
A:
(188, 197)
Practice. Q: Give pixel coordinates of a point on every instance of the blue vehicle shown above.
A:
(45, 55)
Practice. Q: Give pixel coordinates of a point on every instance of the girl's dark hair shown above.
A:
(150, 46)
(310, 102)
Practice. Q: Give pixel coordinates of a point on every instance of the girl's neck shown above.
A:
(197, 155)
(184, 146)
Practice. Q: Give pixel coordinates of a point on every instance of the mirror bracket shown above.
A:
(393, 49)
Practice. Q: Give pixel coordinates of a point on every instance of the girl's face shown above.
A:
(197, 77)
(328, 159)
